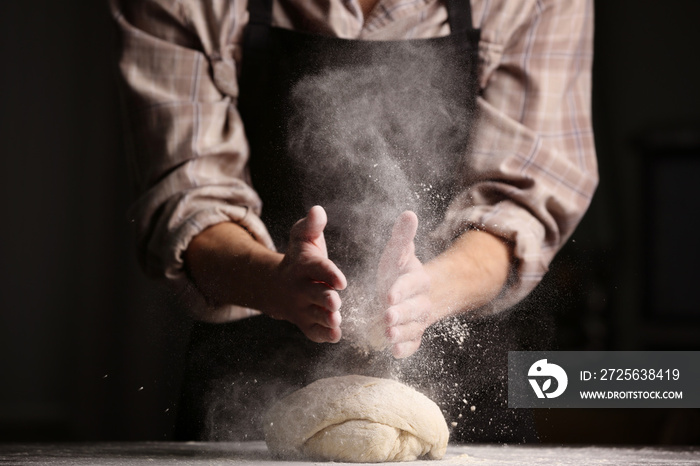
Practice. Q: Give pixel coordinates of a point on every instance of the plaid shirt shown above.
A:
(531, 174)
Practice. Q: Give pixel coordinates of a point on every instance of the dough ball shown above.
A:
(356, 419)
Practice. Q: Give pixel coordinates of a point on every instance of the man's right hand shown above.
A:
(230, 267)
(306, 281)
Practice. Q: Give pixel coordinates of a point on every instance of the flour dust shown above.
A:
(370, 142)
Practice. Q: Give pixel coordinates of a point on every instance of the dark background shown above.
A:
(90, 349)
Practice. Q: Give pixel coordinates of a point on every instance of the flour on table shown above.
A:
(356, 419)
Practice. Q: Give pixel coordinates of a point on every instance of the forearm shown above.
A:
(469, 274)
(230, 267)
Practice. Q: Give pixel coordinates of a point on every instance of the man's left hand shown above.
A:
(403, 288)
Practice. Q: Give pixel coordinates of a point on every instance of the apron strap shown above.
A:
(260, 12)
(459, 13)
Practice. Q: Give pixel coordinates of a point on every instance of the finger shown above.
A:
(403, 333)
(324, 270)
(405, 349)
(312, 314)
(310, 228)
(333, 319)
(331, 300)
(320, 334)
(415, 309)
(323, 317)
(407, 286)
(320, 295)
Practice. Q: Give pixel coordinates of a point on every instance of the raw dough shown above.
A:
(356, 419)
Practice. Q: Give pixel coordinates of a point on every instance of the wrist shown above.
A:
(229, 266)
(469, 274)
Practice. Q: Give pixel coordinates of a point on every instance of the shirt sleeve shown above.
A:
(533, 169)
(189, 152)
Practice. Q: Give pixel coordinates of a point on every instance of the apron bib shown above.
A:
(367, 129)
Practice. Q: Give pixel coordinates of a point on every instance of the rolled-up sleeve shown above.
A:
(189, 152)
(533, 171)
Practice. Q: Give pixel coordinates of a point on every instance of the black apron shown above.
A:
(366, 129)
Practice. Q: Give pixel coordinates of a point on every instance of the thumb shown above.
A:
(398, 250)
(400, 245)
(310, 228)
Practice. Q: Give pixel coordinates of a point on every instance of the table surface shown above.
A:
(214, 453)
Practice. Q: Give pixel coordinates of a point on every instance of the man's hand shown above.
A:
(469, 274)
(306, 282)
(403, 288)
(230, 267)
